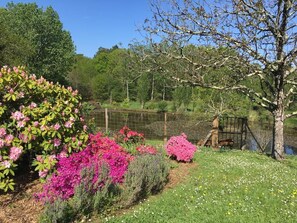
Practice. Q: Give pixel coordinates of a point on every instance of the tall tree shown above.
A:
(263, 35)
(82, 75)
(143, 89)
(53, 49)
(14, 49)
(112, 69)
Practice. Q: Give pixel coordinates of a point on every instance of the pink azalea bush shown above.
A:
(99, 151)
(126, 135)
(39, 116)
(180, 148)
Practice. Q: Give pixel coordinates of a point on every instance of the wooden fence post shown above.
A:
(165, 128)
(215, 132)
(106, 120)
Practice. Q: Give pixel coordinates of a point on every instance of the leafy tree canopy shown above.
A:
(52, 47)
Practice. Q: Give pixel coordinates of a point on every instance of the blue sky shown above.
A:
(98, 23)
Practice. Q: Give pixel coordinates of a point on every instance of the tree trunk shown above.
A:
(142, 104)
(153, 88)
(110, 98)
(278, 135)
(127, 90)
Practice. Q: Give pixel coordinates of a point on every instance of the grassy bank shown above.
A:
(231, 186)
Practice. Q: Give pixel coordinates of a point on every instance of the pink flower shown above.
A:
(40, 80)
(21, 124)
(8, 139)
(23, 137)
(39, 158)
(6, 164)
(68, 124)
(76, 111)
(21, 95)
(74, 93)
(142, 149)
(62, 154)
(52, 157)
(2, 132)
(2, 143)
(17, 115)
(72, 119)
(15, 153)
(33, 77)
(43, 173)
(184, 135)
(180, 148)
(57, 142)
(85, 128)
(15, 69)
(57, 126)
(33, 105)
(35, 124)
(43, 128)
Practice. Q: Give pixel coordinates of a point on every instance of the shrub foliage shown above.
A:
(100, 151)
(147, 174)
(36, 117)
(179, 148)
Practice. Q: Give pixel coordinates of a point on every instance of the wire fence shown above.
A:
(153, 125)
(164, 125)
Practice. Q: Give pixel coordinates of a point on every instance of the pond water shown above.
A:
(161, 125)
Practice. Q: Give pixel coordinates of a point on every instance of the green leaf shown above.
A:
(11, 187)
(13, 97)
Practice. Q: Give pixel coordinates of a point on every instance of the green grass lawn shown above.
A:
(230, 186)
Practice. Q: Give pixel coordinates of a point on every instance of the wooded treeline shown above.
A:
(140, 74)
(34, 37)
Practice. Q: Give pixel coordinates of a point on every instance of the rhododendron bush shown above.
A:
(100, 151)
(37, 116)
(180, 148)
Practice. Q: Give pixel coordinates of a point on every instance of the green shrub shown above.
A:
(147, 174)
(151, 105)
(36, 117)
(162, 106)
(85, 201)
(57, 212)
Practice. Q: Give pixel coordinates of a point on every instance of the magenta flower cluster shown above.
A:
(179, 148)
(126, 135)
(99, 151)
(146, 149)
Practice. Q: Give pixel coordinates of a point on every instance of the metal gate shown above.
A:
(233, 129)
